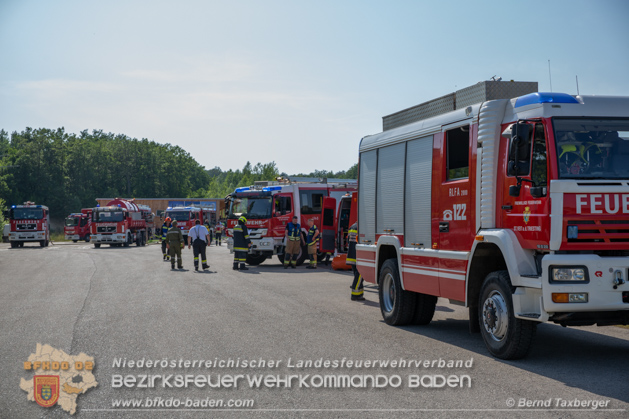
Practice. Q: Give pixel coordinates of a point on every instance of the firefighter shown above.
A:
(198, 238)
(165, 228)
(357, 285)
(294, 240)
(218, 231)
(175, 244)
(241, 244)
(312, 239)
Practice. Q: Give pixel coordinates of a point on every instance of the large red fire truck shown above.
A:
(185, 217)
(29, 223)
(269, 206)
(77, 225)
(120, 223)
(515, 208)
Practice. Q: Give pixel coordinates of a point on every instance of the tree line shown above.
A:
(67, 171)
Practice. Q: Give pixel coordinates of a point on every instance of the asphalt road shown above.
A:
(117, 303)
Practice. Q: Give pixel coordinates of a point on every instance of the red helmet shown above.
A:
(168, 219)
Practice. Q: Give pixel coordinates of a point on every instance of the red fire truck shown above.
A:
(77, 225)
(185, 217)
(29, 223)
(120, 223)
(515, 208)
(269, 206)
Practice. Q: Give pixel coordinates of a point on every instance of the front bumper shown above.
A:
(108, 238)
(72, 237)
(266, 245)
(27, 236)
(601, 295)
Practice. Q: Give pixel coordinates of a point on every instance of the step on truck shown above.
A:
(120, 223)
(77, 225)
(515, 208)
(269, 205)
(29, 223)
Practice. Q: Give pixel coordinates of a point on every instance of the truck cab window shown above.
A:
(457, 153)
(539, 174)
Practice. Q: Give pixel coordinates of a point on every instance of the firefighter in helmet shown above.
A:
(357, 285)
(241, 244)
(312, 239)
(165, 228)
(175, 244)
(294, 240)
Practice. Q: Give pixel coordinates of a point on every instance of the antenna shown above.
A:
(550, 77)
(577, 77)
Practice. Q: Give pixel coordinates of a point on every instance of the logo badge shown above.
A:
(46, 389)
(527, 214)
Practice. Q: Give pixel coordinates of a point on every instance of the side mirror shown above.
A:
(537, 191)
(519, 149)
(514, 190)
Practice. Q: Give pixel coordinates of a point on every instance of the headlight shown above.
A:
(569, 274)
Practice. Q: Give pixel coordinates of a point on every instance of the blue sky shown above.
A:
(295, 82)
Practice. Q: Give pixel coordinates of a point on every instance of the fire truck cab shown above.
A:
(77, 225)
(185, 217)
(269, 206)
(120, 223)
(515, 208)
(29, 223)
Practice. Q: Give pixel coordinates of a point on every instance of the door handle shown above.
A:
(507, 207)
(444, 227)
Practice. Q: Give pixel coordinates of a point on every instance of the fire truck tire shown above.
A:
(256, 259)
(280, 256)
(397, 306)
(424, 309)
(87, 238)
(128, 241)
(14, 245)
(505, 336)
(42, 243)
(47, 243)
(97, 245)
(303, 252)
(21, 244)
(74, 241)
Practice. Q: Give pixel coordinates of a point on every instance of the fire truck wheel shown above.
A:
(14, 245)
(424, 309)
(397, 306)
(87, 238)
(505, 336)
(97, 245)
(128, 241)
(42, 243)
(74, 241)
(256, 259)
(280, 256)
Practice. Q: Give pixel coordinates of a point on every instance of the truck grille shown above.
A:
(600, 231)
(106, 229)
(27, 226)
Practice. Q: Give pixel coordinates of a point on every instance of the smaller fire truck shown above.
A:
(269, 206)
(120, 223)
(185, 217)
(29, 223)
(77, 225)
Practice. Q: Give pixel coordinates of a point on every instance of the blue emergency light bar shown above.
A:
(271, 188)
(544, 97)
(243, 189)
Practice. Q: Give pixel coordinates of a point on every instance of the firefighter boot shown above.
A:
(243, 267)
(205, 265)
(235, 266)
(172, 265)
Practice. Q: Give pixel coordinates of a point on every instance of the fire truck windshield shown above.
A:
(27, 213)
(108, 216)
(251, 208)
(72, 221)
(178, 215)
(592, 148)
